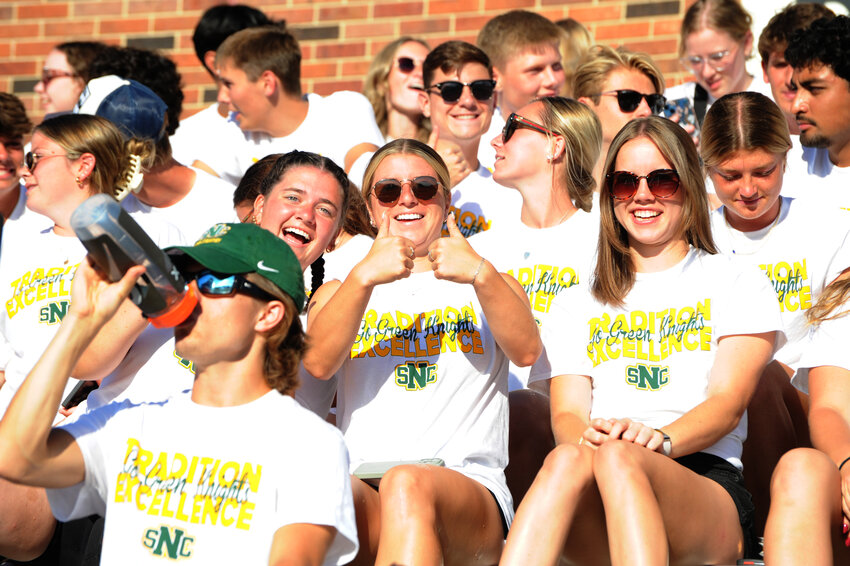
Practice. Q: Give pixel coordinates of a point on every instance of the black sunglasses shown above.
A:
(406, 64)
(451, 91)
(629, 100)
(388, 191)
(516, 121)
(662, 183)
(214, 284)
(32, 159)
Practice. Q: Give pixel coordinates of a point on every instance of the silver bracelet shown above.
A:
(477, 271)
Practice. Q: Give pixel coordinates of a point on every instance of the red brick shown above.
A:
(472, 23)
(184, 23)
(344, 13)
(5, 13)
(392, 9)
(318, 70)
(186, 59)
(554, 14)
(97, 9)
(145, 6)
(668, 66)
(200, 5)
(31, 11)
(503, 5)
(70, 31)
(18, 30)
(297, 16)
(124, 26)
(307, 52)
(356, 69)
(18, 68)
(596, 13)
(326, 88)
(560, 2)
(5, 51)
(369, 30)
(453, 6)
(666, 27)
(653, 47)
(430, 25)
(198, 78)
(39, 48)
(340, 50)
(615, 31)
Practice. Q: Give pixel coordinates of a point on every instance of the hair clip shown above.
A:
(132, 180)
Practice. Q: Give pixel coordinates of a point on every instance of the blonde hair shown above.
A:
(582, 134)
(77, 134)
(614, 275)
(407, 147)
(742, 121)
(601, 60)
(513, 33)
(830, 301)
(727, 16)
(376, 87)
(575, 43)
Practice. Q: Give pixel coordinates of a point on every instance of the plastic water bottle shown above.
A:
(117, 242)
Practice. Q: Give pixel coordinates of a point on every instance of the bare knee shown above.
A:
(617, 460)
(801, 473)
(26, 523)
(408, 491)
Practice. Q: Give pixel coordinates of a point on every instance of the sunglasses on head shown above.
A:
(629, 100)
(388, 191)
(662, 183)
(214, 284)
(451, 91)
(406, 64)
(516, 121)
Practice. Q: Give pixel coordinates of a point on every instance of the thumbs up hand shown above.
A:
(452, 258)
(389, 259)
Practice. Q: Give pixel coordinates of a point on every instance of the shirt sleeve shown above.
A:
(565, 345)
(749, 306)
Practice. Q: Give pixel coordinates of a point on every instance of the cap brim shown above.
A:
(211, 257)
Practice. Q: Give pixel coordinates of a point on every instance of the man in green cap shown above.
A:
(234, 471)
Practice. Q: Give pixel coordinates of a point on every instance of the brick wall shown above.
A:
(338, 37)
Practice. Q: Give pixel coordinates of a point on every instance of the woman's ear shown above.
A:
(85, 166)
(558, 147)
(259, 202)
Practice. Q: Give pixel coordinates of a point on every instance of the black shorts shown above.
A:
(731, 479)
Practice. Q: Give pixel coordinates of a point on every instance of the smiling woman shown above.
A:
(429, 354)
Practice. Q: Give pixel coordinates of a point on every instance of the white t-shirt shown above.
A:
(486, 153)
(208, 485)
(333, 125)
(826, 345)
(426, 379)
(545, 261)
(828, 184)
(201, 136)
(805, 249)
(209, 202)
(479, 203)
(650, 360)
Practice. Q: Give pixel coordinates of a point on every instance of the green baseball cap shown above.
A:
(233, 249)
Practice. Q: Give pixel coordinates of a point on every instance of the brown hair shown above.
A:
(285, 345)
(77, 134)
(777, 33)
(13, 117)
(575, 43)
(602, 60)
(265, 48)
(614, 275)
(375, 84)
(450, 57)
(407, 147)
(727, 16)
(513, 33)
(742, 121)
(80, 55)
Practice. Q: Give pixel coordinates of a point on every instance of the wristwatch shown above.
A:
(666, 444)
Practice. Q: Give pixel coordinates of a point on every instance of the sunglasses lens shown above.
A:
(406, 64)
(211, 284)
(425, 188)
(29, 161)
(628, 100)
(450, 91)
(387, 190)
(663, 183)
(482, 90)
(622, 185)
(509, 129)
(656, 102)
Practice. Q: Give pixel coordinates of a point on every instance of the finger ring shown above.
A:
(430, 255)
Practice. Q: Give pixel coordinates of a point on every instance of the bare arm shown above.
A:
(502, 298)
(570, 398)
(301, 544)
(111, 344)
(31, 452)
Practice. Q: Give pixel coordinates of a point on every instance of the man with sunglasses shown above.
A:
(458, 98)
(196, 478)
(618, 85)
(14, 124)
(259, 71)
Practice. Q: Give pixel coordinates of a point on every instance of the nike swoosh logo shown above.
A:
(261, 265)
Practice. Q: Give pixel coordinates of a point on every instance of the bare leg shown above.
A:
(543, 529)
(655, 506)
(433, 515)
(529, 440)
(367, 512)
(26, 522)
(804, 525)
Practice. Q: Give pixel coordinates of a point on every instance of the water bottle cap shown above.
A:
(179, 312)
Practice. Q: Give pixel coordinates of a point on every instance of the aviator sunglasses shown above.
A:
(214, 284)
(662, 183)
(388, 191)
(451, 91)
(629, 100)
(516, 121)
